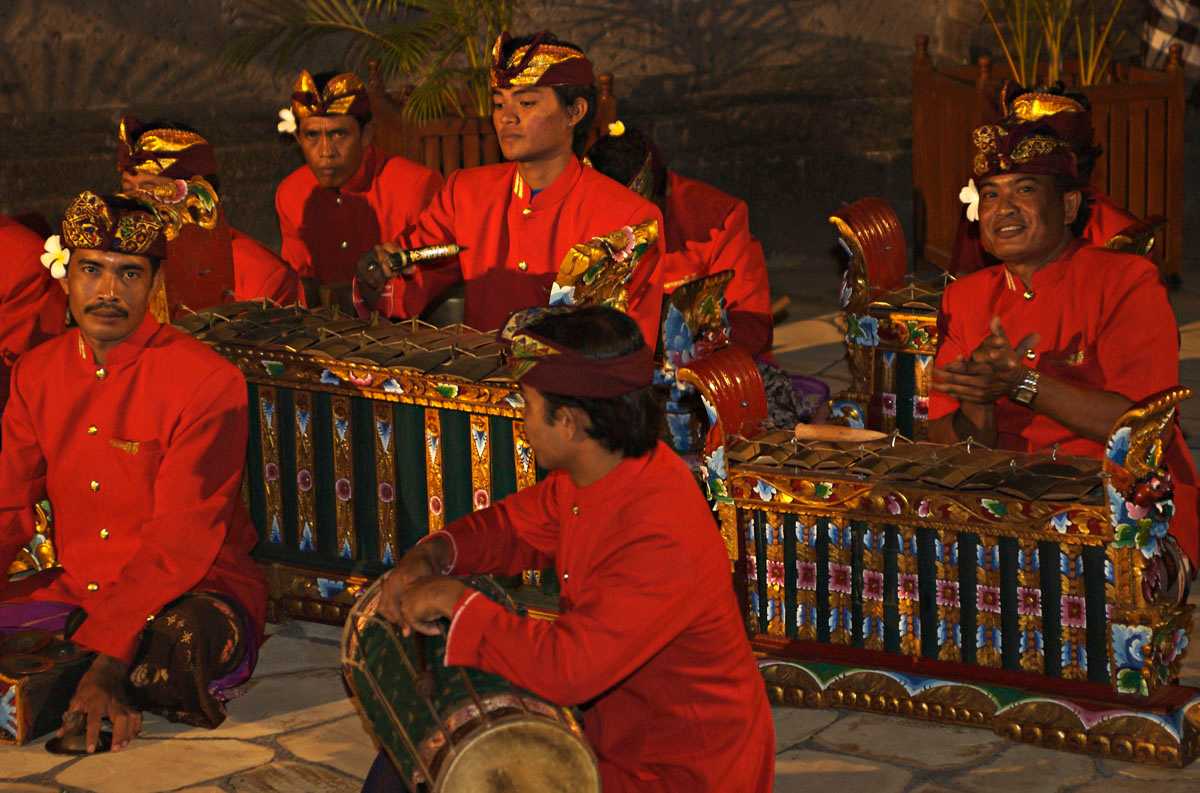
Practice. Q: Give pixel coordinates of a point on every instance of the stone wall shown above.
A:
(794, 105)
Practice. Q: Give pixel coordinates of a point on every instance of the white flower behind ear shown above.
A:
(287, 122)
(56, 257)
(969, 195)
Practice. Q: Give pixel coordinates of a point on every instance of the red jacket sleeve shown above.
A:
(22, 478)
(517, 533)
(632, 607)
(196, 490)
(1137, 348)
(292, 247)
(748, 296)
(258, 273)
(951, 347)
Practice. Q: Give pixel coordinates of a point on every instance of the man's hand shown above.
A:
(375, 268)
(426, 559)
(426, 600)
(994, 370)
(99, 695)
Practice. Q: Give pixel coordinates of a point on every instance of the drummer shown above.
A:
(517, 220)
(649, 641)
(137, 435)
(1051, 348)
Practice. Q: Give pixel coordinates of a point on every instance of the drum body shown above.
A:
(456, 729)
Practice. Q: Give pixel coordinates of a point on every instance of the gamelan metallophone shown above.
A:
(363, 437)
(1035, 595)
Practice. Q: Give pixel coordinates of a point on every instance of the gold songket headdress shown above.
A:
(344, 95)
(1041, 133)
(541, 62)
(173, 153)
(136, 225)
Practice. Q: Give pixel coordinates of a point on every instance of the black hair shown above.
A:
(630, 424)
(157, 123)
(621, 157)
(1067, 184)
(322, 79)
(567, 94)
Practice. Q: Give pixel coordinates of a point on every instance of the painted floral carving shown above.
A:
(862, 329)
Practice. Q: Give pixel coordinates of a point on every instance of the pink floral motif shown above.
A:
(774, 572)
(888, 403)
(627, 248)
(1029, 601)
(387, 493)
(435, 505)
(482, 499)
(906, 586)
(806, 575)
(872, 585)
(947, 593)
(1074, 611)
(342, 489)
(362, 380)
(924, 509)
(1136, 511)
(271, 472)
(987, 598)
(839, 578)
(892, 503)
(304, 480)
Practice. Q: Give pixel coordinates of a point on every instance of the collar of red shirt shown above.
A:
(1048, 275)
(364, 176)
(608, 489)
(559, 189)
(124, 352)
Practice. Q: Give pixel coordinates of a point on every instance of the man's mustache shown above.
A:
(108, 308)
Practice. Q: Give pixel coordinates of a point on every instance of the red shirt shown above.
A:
(326, 231)
(1105, 222)
(650, 632)
(143, 467)
(709, 232)
(1104, 323)
(514, 241)
(258, 273)
(33, 307)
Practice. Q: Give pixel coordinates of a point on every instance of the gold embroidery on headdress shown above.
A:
(547, 55)
(1037, 146)
(86, 222)
(340, 94)
(200, 206)
(1032, 106)
(136, 232)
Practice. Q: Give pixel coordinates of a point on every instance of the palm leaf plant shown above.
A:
(1025, 28)
(441, 48)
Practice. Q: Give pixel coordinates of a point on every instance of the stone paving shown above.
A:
(294, 731)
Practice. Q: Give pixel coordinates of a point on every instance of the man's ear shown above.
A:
(577, 111)
(368, 132)
(1072, 201)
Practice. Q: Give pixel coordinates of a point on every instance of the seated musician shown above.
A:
(649, 640)
(137, 435)
(707, 232)
(1051, 348)
(517, 220)
(152, 157)
(32, 307)
(1104, 218)
(348, 197)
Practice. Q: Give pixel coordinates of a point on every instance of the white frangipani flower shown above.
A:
(56, 257)
(969, 195)
(287, 122)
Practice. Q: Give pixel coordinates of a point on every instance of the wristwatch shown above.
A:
(1027, 390)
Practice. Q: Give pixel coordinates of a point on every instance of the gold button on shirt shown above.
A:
(92, 586)
(92, 430)
(95, 486)
(522, 266)
(101, 373)
(104, 534)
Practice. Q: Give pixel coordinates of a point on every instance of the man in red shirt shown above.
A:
(1093, 330)
(32, 307)
(1103, 219)
(516, 221)
(152, 158)
(708, 232)
(137, 435)
(348, 197)
(656, 648)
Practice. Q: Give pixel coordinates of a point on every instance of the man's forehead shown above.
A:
(110, 258)
(999, 180)
(521, 91)
(328, 123)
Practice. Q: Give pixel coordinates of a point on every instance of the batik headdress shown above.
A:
(541, 62)
(344, 95)
(554, 369)
(173, 153)
(1042, 133)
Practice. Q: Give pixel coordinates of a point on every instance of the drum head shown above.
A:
(521, 755)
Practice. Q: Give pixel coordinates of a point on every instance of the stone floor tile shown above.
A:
(794, 725)
(300, 629)
(343, 744)
(1128, 785)
(802, 771)
(934, 787)
(910, 742)
(273, 705)
(152, 766)
(22, 761)
(22, 787)
(289, 777)
(1117, 771)
(203, 789)
(286, 654)
(1028, 769)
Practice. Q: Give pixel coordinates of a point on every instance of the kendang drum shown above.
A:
(455, 729)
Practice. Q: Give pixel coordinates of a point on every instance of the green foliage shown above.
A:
(1025, 28)
(442, 48)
